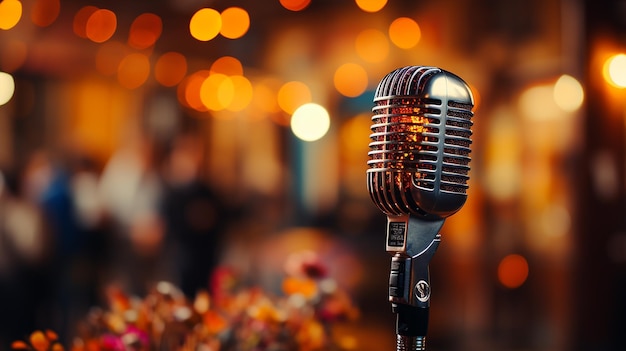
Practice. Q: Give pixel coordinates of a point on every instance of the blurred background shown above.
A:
(152, 140)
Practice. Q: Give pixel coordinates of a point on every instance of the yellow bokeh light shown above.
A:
(101, 25)
(614, 70)
(7, 87)
(292, 95)
(217, 91)
(235, 22)
(243, 92)
(227, 65)
(537, 103)
(45, 12)
(371, 5)
(404, 32)
(133, 71)
(372, 45)
(205, 24)
(295, 5)
(310, 122)
(10, 13)
(568, 93)
(513, 271)
(81, 17)
(350, 79)
(145, 31)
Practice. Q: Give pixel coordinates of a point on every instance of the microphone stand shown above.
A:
(412, 241)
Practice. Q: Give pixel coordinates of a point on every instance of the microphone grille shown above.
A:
(420, 142)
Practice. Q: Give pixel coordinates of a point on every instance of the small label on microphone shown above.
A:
(396, 234)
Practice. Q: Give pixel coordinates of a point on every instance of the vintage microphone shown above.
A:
(418, 174)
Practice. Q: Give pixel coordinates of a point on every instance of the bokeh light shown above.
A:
(205, 24)
(189, 90)
(217, 91)
(513, 271)
(310, 122)
(371, 5)
(45, 12)
(145, 31)
(372, 45)
(7, 87)
(101, 25)
(235, 22)
(133, 71)
(10, 13)
(292, 95)
(170, 68)
(264, 97)
(350, 79)
(404, 32)
(614, 70)
(568, 93)
(243, 92)
(537, 103)
(81, 17)
(295, 5)
(227, 65)
(109, 56)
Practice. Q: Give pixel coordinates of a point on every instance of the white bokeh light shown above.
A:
(310, 122)
(568, 93)
(7, 87)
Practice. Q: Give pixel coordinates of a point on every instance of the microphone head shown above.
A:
(420, 143)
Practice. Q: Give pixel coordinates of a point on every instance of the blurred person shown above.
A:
(130, 190)
(194, 214)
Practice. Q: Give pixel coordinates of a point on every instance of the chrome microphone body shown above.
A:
(418, 176)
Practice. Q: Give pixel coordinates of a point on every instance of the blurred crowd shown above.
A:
(70, 226)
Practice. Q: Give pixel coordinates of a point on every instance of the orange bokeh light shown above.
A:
(350, 79)
(295, 5)
(191, 90)
(513, 271)
(145, 31)
(227, 65)
(371, 5)
(235, 22)
(10, 13)
(45, 12)
(372, 45)
(404, 32)
(80, 20)
(133, 71)
(170, 69)
(101, 25)
(292, 95)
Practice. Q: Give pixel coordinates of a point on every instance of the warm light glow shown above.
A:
(371, 5)
(170, 69)
(7, 87)
(101, 25)
(537, 103)
(243, 93)
(568, 93)
(133, 70)
(13, 56)
(192, 90)
(10, 13)
(145, 31)
(372, 46)
(404, 32)
(205, 24)
(264, 97)
(614, 70)
(513, 271)
(227, 65)
(295, 5)
(45, 12)
(292, 95)
(109, 56)
(80, 20)
(350, 79)
(310, 122)
(235, 22)
(217, 91)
